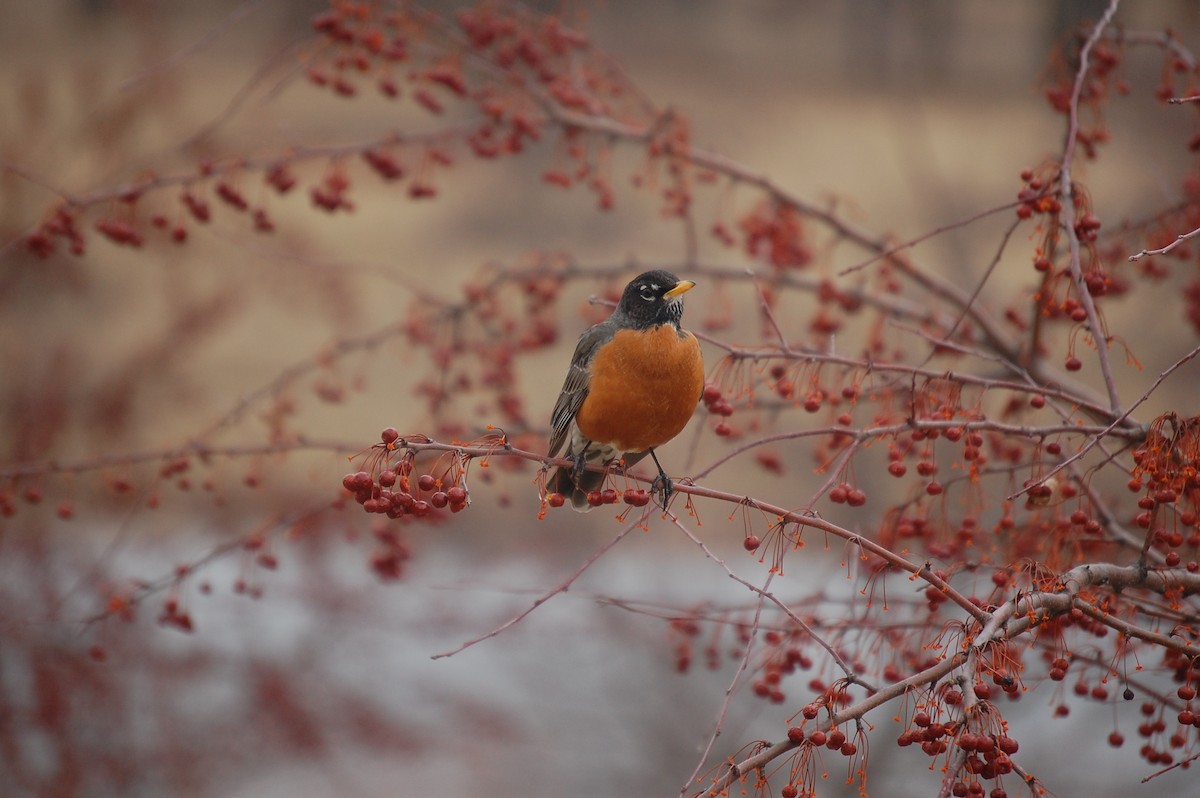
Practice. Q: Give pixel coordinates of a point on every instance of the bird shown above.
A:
(633, 384)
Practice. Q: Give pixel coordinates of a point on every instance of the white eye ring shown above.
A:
(648, 297)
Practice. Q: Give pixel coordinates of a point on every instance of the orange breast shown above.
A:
(644, 387)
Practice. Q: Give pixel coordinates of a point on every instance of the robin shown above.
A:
(633, 384)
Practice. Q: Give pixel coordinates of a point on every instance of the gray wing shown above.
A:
(575, 387)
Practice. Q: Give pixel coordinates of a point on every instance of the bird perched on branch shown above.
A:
(633, 384)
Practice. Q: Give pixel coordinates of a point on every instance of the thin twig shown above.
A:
(851, 674)
(743, 664)
(212, 34)
(1068, 211)
(912, 242)
(1181, 763)
(560, 588)
(1179, 239)
(987, 273)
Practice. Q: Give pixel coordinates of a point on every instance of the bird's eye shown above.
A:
(648, 296)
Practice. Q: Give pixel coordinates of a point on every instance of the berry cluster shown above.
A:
(634, 497)
(834, 740)
(846, 493)
(42, 242)
(391, 491)
(785, 656)
(1167, 467)
(1103, 75)
(716, 403)
(387, 562)
(774, 232)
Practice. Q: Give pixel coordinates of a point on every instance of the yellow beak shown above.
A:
(683, 287)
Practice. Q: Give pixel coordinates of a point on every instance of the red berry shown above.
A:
(796, 734)
(640, 498)
(555, 500)
(752, 542)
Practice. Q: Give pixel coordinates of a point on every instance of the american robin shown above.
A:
(633, 384)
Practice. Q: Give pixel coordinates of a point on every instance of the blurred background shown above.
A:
(315, 678)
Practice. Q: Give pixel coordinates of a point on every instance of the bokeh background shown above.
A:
(904, 115)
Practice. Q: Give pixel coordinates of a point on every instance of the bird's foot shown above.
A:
(662, 487)
(578, 467)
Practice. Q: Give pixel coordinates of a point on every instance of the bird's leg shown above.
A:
(580, 463)
(662, 483)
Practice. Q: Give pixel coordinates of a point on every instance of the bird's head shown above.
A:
(653, 298)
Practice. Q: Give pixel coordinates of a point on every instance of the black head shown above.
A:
(652, 298)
